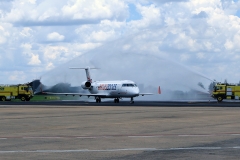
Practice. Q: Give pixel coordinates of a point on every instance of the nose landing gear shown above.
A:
(116, 100)
(132, 101)
(98, 100)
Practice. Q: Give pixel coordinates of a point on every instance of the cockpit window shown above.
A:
(129, 85)
(218, 88)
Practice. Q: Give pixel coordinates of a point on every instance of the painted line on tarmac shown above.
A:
(86, 137)
(122, 136)
(41, 137)
(119, 150)
(196, 135)
(145, 136)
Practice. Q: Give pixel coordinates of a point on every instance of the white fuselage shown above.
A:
(114, 89)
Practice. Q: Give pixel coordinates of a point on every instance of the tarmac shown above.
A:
(145, 130)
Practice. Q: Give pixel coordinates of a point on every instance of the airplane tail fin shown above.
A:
(87, 69)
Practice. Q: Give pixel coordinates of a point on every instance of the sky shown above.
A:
(175, 42)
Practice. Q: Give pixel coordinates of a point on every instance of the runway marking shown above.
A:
(86, 137)
(41, 137)
(119, 150)
(122, 136)
(235, 134)
(144, 136)
(196, 135)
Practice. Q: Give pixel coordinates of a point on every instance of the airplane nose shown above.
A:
(135, 91)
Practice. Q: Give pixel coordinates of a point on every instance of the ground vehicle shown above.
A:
(226, 91)
(20, 91)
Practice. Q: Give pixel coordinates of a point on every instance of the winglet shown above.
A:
(159, 90)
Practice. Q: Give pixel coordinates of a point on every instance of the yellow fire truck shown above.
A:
(226, 91)
(20, 91)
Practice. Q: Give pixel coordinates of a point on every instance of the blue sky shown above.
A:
(133, 13)
(38, 36)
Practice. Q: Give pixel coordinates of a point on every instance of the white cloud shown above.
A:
(26, 46)
(228, 45)
(201, 55)
(61, 12)
(184, 57)
(18, 76)
(54, 36)
(4, 34)
(2, 40)
(126, 47)
(26, 32)
(32, 1)
(151, 16)
(82, 9)
(85, 46)
(49, 66)
(34, 60)
(196, 33)
(101, 35)
(51, 52)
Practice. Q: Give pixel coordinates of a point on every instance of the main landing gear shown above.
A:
(98, 100)
(132, 101)
(116, 100)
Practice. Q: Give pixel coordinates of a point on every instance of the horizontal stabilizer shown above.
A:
(87, 69)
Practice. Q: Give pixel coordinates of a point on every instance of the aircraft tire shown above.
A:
(23, 98)
(219, 99)
(116, 100)
(3, 98)
(98, 100)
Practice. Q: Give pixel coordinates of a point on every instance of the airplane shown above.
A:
(117, 89)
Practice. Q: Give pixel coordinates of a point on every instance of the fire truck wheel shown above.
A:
(3, 98)
(219, 99)
(23, 98)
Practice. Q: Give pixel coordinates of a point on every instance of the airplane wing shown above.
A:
(143, 94)
(77, 94)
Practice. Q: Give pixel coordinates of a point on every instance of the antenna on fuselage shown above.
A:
(87, 69)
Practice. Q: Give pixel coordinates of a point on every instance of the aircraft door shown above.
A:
(119, 88)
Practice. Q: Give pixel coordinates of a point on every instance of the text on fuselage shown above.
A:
(107, 87)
